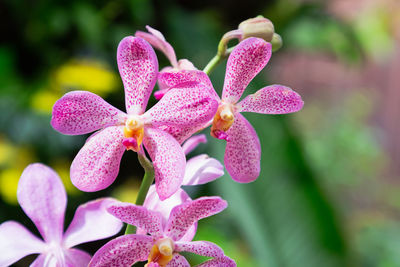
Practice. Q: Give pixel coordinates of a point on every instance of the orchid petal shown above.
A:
(188, 106)
(138, 67)
(157, 40)
(69, 258)
(171, 79)
(274, 99)
(247, 59)
(81, 112)
(178, 261)
(168, 160)
(203, 248)
(154, 203)
(243, 151)
(185, 215)
(138, 216)
(193, 142)
(42, 260)
(92, 213)
(17, 242)
(185, 64)
(123, 251)
(97, 164)
(77, 257)
(42, 196)
(219, 262)
(183, 133)
(201, 170)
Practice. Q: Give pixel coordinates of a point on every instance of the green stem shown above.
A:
(148, 179)
(212, 64)
(217, 59)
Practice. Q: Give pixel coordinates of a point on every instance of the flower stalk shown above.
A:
(223, 51)
(148, 179)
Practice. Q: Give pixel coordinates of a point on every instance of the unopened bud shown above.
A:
(276, 42)
(257, 27)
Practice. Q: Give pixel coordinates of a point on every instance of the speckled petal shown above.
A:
(245, 62)
(203, 248)
(219, 262)
(181, 134)
(138, 216)
(178, 261)
(138, 67)
(92, 213)
(42, 196)
(190, 106)
(154, 203)
(243, 151)
(157, 40)
(97, 164)
(123, 251)
(168, 160)
(201, 170)
(193, 142)
(171, 79)
(274, 99)
(17, 242)
(81, 112)
(186, 214)
(76, 258)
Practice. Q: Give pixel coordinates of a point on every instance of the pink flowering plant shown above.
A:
(42, 196)
(163, 221)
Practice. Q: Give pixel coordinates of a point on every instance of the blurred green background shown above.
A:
(329, 191)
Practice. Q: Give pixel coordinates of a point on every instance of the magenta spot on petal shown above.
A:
(159, 94)
(221, 135)
(130, 142)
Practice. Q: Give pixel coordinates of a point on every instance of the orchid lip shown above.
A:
(161, 253)
(222, 121)
(133, 132)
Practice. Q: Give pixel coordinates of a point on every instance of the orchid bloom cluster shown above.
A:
(166, 221)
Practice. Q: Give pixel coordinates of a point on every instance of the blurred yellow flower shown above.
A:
(44, 100)
(8, 184)
(86, 74)
(77, 74)
(127, 192)
(13, 160)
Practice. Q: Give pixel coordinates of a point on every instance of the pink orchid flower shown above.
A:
(199, 170)
(162, 246)
(157, 40)
(42, 196)
(243, 151)
(97, 164)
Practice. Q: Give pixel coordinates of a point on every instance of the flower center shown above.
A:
(223, 120)
(161, 253)
(133, 132)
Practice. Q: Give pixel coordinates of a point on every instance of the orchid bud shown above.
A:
(276, 42)
(257, 27)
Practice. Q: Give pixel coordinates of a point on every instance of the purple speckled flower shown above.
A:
(97, 164)
(42, 196)
(162, 246)
(157, 40)
(243, 151)
(200, 169)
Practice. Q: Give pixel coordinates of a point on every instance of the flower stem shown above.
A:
(212, 64)
(148, 179)
(223, 50)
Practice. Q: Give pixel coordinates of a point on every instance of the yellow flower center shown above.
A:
(223, 120)
(133, 132)
(161, 252)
